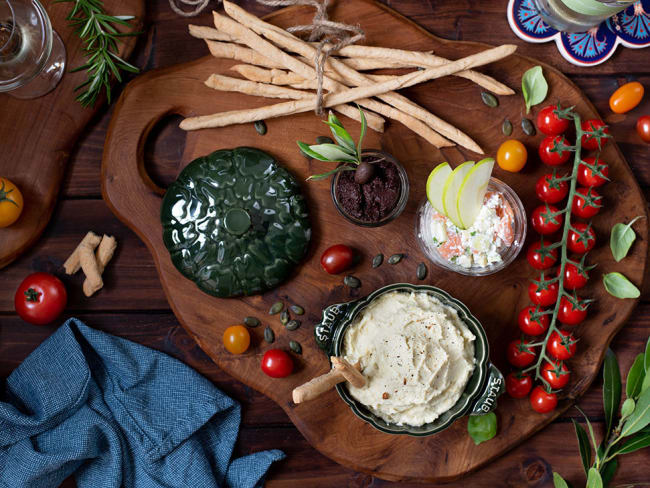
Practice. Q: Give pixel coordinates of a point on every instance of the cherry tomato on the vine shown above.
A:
(549, 123)
(589, 142)
(571, 313)
(337, 258)
(550, 157)
(573, 278)
(542, 401)
(643, 128)
(561, 345)
(40, 298)
(587, 202)
(236, 339)
(626, 97)
(539, 260)
(531, 324)
(556, 374)
(519, 354)
(588, 177)
(512, 155)
(582, 241)
(543, 220)
(518, 384)
(277, 363)
(550, 191)
(544, 297)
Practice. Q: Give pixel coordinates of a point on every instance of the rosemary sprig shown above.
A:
(100, 37)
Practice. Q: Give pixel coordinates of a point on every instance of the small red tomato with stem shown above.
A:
(574, 277)
(581, 238)
(593, 172)
(546, 219)
(518, 384)
(556, 374)
(595, 128)
(587, 202)
(532, 321)
(551, 190)
(337, 258)
(542, 401)
(40, 298)
(572, 310)
(543, 292)
(561, 345)
(519, 354)
(549, 123)
(540, 256)
(643, 128)
(553, 150)
(277, 363)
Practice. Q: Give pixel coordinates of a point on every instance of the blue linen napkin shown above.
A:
(118, 414)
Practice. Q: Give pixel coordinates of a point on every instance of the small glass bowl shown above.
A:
(508, 253)
(401, 201)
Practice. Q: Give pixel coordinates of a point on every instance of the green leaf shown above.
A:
(646, 383)
(607, 471)
(333, 152)
(593, 479)
(534, 87)
(619, 286)
(611, 389)
(583, 446)
(342, 137)
(482, 428)
(635, 378)
(627, 408)
(558, 481)
(362, 134)
(333, 119)
(637, 442)
(322, 176)
(646, 361)
(640, 417)
(589, 426)
(312, 154)
(621, 238)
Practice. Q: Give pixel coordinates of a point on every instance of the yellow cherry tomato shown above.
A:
(512, 155)
(626, 97)
(236, 339)
(11, 202)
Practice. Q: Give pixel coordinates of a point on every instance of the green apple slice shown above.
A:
(435, 184)
(450, 191)
(472, 191)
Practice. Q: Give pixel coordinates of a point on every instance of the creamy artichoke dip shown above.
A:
(416, 354)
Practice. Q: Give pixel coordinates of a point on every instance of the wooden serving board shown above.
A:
(328, 423)
(38, 135)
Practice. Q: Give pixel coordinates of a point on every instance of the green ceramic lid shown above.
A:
(235, 222)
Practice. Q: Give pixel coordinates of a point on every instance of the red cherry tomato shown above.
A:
(570, 313)
(518, 385)
(550, 191)
(588, 177)
(337, 258)
(519, 354)
(582, 241)
(531, 324)
(556, 374)
(587, 202)
(540, 260)
(277, 363)
(550, 157)
(643, 128)
(573, 278)
(544, 222)
(40, 298)
(626, 97)
(549, 123)
(542, 401)
(543, 297)
(561, 345)
(588, 141)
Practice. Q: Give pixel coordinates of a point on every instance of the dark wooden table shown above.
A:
(132, 304)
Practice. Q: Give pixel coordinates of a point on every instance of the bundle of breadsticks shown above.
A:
(91, 256)
(278, 64)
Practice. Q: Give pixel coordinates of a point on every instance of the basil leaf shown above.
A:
(332, 152)
(558, 481)
(640, 417)
(593, 479)
(635, 378)
(533, 87)
(583, 445)
(619, 286)
(627, 408)
(611, 389)
(482, 428)
(621, 239)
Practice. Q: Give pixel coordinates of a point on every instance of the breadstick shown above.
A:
(341, 371)
(105, 251)
(281, 77)
(93, 281)
(73, 263)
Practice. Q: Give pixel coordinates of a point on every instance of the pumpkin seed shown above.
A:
(269, 336)
(260, 127)
(293, 324)
(489, 99)
(295, 347)
(284, 317)
(506, 128)
(377, 260)
(251, 322)
(276, 308)
(352, 281)
(297, 309)
(528, 127)
(421, 271)
(324, 140)
(395, 258)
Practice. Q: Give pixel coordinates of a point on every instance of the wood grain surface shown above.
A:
(133, 305)
(38, 135)
(328, 423)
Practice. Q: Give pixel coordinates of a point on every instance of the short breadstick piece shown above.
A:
(341, 371)
(105, 252)
(93, 281)
(73, 263)
(349, 372)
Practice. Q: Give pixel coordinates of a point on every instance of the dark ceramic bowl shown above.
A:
(481, 391)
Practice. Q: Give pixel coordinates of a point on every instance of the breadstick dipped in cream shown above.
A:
(341, 371)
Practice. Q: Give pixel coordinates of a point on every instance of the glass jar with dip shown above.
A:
(578, 15)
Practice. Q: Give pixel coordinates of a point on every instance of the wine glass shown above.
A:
(32, 55)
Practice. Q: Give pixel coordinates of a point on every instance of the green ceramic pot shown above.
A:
(482, 390)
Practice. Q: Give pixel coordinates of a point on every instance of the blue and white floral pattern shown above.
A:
(629, 28)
